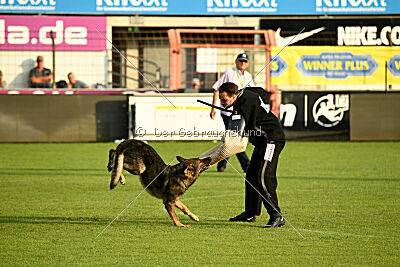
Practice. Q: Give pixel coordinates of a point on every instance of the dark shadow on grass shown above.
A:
(203, 222)
(341, 179)
(81, 220)
(124, 221)
(46, 220)
(217, 222)
(55, 169)
(52, 172)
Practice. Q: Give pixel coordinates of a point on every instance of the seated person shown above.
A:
(196, 83)
(61, 84)
(74, 83)
(1, 79)
(39, 76)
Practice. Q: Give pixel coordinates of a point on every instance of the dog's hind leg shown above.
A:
(185, 210)
(122, 179)
(170, 207)
(118, 164)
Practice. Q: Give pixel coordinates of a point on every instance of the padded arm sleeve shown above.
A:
(232, 142)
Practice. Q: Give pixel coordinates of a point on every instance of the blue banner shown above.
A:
(203, 7)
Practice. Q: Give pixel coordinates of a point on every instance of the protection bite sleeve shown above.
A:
(231, 143)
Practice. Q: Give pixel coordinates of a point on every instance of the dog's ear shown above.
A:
(206, 161)
(111, 152)
(180, 159)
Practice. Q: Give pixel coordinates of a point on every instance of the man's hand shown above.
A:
(44, 79)
(214, 102)
(212, 113)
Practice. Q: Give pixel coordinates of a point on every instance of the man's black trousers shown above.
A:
(253, 199)
(242, 157)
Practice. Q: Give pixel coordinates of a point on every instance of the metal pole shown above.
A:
(386, 76)
(54, 59)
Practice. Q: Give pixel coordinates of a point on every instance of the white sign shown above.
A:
(157, 119)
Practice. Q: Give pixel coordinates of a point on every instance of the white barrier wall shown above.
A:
(157, 119)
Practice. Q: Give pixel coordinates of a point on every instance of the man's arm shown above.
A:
(40, 80)
(232, 142)
(214, 102)
(44, 79)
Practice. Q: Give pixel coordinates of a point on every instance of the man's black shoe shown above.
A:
(275, 221)
(221, 169)
(243, 217)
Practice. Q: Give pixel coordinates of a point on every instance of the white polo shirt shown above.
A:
(234, 75)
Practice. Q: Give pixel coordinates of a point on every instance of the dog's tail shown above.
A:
(118, 164)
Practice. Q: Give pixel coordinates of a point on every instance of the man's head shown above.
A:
(196, 83)
(228, 93)
(242, 61)
(40, 62)
(71, 78)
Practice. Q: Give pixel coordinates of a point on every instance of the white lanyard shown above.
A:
(244, 78)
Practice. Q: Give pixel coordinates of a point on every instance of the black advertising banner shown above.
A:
(332, 32)
(315, 111)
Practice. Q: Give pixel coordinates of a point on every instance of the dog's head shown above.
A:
(110, 159)
(193, 167)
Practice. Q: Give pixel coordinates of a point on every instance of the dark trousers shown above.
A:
(253, 176)
(242, 157)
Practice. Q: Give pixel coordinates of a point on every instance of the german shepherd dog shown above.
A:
(170, 181)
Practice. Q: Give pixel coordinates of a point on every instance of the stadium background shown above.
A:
(348, 60)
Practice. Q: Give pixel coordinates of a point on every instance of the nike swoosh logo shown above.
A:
(282, 41)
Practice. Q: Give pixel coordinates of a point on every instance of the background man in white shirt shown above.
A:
(241, 78)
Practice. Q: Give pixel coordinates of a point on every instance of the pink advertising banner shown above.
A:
(77, 33)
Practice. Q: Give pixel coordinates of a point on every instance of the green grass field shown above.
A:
(343, 197)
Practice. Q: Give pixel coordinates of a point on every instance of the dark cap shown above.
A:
(243, 57)
(39, 59)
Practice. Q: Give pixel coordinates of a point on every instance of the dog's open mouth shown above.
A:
(205, 168)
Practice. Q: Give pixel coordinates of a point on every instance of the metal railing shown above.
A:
(121, 65)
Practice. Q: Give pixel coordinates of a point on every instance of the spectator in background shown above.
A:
(74, 83)
(196, 84)
(1, 80)
(39, 76)
(61, 84)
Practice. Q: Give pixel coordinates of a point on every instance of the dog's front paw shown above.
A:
(194, 217)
